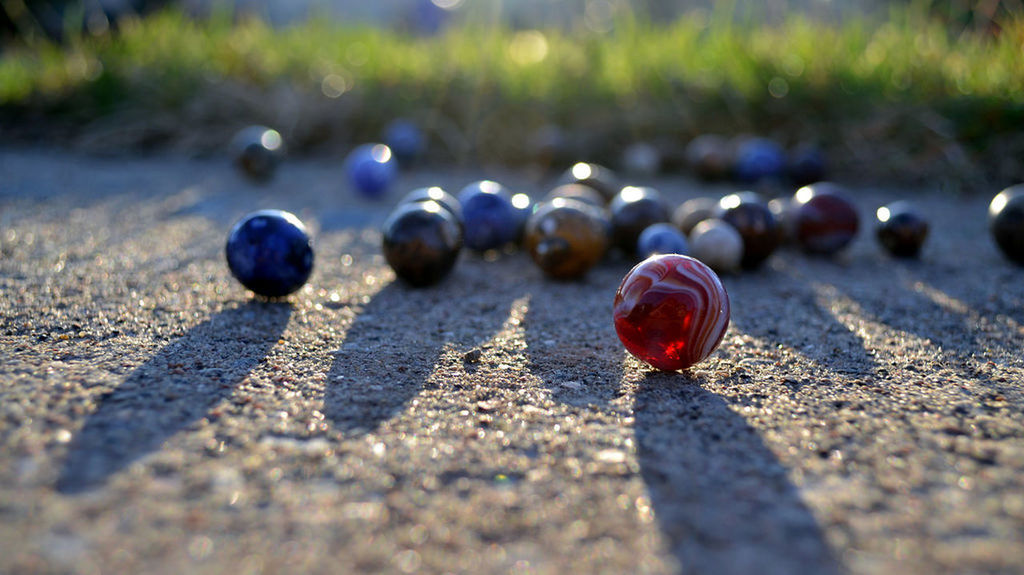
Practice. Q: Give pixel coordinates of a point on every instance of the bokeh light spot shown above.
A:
(998, 203)
(631, 193)
(581, 171)
(528, 47)
(731, 201)
(521, 201)
(778, 87)
(489, 187)
(333, 86)
(271, 139)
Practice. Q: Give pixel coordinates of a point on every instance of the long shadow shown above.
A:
(723, 500)
(987, 293)
(960, 340)
(393, 345)
(173, 389)
(820, 337)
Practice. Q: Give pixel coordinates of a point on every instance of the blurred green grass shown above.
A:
(902, 97)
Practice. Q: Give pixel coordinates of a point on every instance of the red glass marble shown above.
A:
(823, 220)
(671, 311)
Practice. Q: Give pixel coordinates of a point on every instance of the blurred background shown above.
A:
(909, 91)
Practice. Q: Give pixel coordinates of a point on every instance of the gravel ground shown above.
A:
(862, 415)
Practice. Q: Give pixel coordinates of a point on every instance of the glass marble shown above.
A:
(421, 242)
(661, 238)
(633, 209)
(1006, 222)
(748, 213)
(371, 169)
(270, 253)
(758, 159)
(566, 237)
(717, 244)
(578, 192)
(709, 156)
(671, 311)
(405, 140)
(435, 194)
(692, 212)
(901, 229)
(823, 220)
(491, 220)
(600, 178)
(257, 151)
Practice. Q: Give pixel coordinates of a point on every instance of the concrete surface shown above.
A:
(863, 415)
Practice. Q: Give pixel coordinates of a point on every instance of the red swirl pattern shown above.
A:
(671, 311)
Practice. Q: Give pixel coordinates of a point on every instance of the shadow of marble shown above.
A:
(379, 368)
(176, 387)
(822, 338)
(722, 499)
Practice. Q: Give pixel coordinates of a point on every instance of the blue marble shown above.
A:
(758, 159)
(490, 218)
(661, 239)
(270, 253)
(371, 169)
(405, 140)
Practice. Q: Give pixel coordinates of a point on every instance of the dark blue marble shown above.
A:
(270, 253)
(490, 218)
(371, 169)
(405, 140)
(661, 239)
(758, 159)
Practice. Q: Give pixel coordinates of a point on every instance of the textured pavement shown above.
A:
(862, 415)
